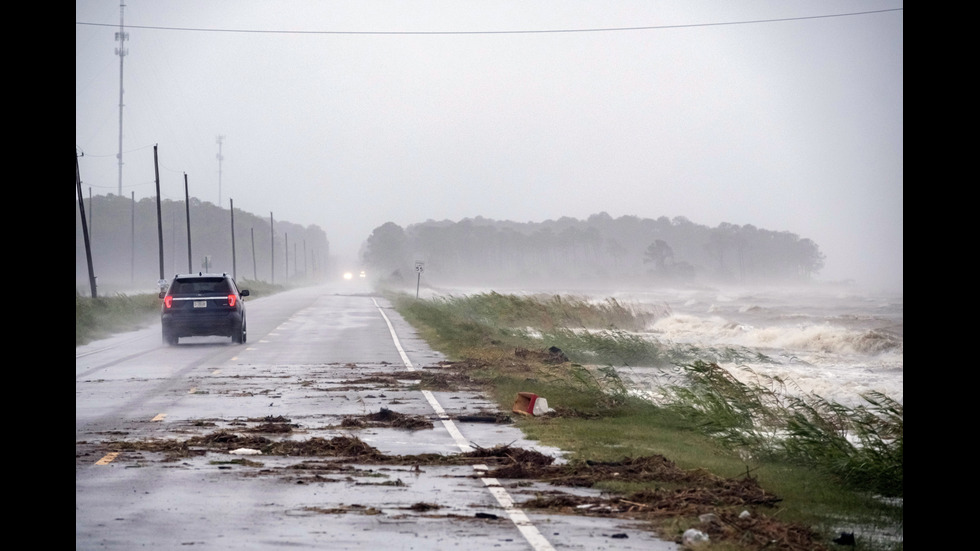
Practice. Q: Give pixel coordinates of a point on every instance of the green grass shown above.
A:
(98, 318)
(706, 419)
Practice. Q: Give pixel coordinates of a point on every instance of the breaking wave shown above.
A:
(716, 331)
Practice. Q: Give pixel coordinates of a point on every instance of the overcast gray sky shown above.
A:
(775, 113)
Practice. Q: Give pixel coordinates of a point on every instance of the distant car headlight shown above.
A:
(348, 275)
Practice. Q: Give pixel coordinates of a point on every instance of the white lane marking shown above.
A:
(461, 442)
(517, 516)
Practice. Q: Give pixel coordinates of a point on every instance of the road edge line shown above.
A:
(517, 516)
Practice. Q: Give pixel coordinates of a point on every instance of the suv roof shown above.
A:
(201, 282)
(202, 274)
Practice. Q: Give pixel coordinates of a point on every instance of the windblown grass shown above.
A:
(862, 446)
(546, 312)
(595, 333)
(100, 317)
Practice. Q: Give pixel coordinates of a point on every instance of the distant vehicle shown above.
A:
(203, 305)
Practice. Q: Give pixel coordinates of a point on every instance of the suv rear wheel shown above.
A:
(240, 335)
(169, 338)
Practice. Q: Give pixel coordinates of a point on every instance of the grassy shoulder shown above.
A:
(101, 317)
(598, 421)
(104, 316)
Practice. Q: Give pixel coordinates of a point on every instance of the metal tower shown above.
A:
(121, 51)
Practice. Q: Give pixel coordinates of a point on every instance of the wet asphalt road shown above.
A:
(308, 354)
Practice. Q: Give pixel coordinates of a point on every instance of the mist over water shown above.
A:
(838, 342)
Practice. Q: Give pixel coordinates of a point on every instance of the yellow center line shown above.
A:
(108, 458)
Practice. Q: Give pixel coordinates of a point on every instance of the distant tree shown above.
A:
(727, 238)
(658, 252)
(811, 260)
(386, 251)
(615, 252)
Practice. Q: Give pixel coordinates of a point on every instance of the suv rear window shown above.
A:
(199, 286)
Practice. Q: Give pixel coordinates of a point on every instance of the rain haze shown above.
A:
(786, 115)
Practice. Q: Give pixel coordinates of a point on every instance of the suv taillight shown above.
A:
(231, 300)
(168, 301)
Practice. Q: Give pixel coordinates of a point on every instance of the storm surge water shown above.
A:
(837, 343)
(833, 342)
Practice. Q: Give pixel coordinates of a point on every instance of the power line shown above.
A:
(538, 31)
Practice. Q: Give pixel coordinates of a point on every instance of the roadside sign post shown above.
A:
(419, 267)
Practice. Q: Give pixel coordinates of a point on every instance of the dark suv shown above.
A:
(203, 304)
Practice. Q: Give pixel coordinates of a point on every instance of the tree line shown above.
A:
(597, 250)
(125, 243)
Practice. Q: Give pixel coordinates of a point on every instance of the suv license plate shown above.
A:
(200, 304)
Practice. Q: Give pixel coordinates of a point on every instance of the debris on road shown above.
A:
(245, 451)
(528, 403)
(388, 418)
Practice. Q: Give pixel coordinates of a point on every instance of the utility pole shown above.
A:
(220, 158)
(88, 247)
(132, 237)
(234, 261)
(255, 273)
(121, 51)
(91, 209)
(187, 208)
(156, 175)
(272, 248)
